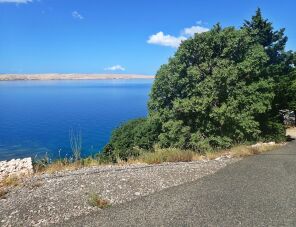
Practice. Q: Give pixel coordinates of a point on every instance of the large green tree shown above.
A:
(222, 87)
(212, 90)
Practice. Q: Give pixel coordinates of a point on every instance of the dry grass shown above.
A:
(58, 166)
(210, 155)
(167, 155)
(243, 151)
(97, 201)
(10, 181)
(62, 165)
(160, 156)
(177, 155)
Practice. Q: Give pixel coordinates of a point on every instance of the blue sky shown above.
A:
(116, 36)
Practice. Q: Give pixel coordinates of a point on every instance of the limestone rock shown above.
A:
(17, 167)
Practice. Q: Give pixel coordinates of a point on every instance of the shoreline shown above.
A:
(71, 76)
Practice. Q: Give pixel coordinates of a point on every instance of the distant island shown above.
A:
(74, 76)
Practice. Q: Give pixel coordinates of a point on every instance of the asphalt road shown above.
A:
(257, 191)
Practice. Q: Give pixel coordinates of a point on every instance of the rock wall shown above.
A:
(16, 167)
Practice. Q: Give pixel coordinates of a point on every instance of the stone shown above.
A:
(16, 167)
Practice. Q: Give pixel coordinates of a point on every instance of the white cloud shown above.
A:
(194, 29)
(16, 1)
(165, 40)
(172, 41)
(76, 15)
(115, 68)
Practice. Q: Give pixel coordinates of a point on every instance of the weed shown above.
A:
(167, 155)
(97, 201)
(243, 150)
(10, 181)
(3, 193)
(76, 143)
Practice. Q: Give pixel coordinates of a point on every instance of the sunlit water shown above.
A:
(36, 116)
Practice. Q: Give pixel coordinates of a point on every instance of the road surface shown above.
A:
(257, 191)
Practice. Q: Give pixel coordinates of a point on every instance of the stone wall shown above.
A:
(16, 167)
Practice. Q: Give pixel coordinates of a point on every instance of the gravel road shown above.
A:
(51, 199)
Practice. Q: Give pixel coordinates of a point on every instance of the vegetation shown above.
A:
(221, 88)
(76, 144)
(127, 140)
(97, 201)
(10, 181)
(167, 155)
(158, 156)
(3, 193)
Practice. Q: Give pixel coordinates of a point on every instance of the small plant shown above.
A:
(39, 164)
(97, 201)
(3, 193)
(10, 181)
(76, 144)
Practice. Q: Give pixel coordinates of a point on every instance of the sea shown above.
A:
(37, 118)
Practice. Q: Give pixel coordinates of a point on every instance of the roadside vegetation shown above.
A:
(221, 91)
(8, 182)
(158, 156)
(97, 201)
(222, 88)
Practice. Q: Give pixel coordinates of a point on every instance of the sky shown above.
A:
(117, 36)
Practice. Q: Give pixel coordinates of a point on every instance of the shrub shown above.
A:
(97, 201)
(138, 133)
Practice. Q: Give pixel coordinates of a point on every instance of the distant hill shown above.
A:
(56, 76)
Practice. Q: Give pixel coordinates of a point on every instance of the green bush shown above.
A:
(130, 137)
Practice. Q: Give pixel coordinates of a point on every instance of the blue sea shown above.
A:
(37, 116)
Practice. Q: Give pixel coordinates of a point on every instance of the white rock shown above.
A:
(16, 167)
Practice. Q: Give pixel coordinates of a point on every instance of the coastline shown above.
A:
(72, 76)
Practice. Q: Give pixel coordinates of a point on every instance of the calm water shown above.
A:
(36, 116)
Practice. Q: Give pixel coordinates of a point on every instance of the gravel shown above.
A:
(54, 198)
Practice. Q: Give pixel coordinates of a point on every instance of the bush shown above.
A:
(129, 138)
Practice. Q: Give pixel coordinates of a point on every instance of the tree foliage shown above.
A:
(131, 136)
(222, 87)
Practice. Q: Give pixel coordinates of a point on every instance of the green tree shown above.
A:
(213, 90)
(279, 68)
(221, 87)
